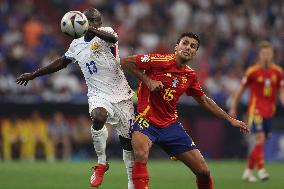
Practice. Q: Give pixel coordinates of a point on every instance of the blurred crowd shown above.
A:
(229, 31)
(54, 137)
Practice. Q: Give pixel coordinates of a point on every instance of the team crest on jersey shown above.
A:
(267, 82)
(168, 75)
(95, 46)
(274, 78)
(145, 58)
(260, 79)
(175, 82)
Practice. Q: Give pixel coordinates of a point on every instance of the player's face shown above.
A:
(187, 48)
(266, 54)
(95, 21)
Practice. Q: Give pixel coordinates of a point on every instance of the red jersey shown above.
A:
(263, 85)
(159, 107)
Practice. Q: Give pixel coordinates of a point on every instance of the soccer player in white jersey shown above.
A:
(109, 94)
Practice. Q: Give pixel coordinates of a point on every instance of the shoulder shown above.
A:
(252, 69)
(75, 42)
(277, 68)
(162, 57)
(156, 58)
(189, 69)
(190, 72)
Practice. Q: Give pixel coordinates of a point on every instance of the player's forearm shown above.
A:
(210, 105)
(55, 66)
(129, 65)
(108, 37)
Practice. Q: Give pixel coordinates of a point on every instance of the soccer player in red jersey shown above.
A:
(263, 80)
(164, 79)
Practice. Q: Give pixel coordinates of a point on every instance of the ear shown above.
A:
(176, 47)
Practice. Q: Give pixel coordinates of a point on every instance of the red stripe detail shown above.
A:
(114, 51)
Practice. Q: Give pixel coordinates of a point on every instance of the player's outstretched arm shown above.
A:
(210, 105)
(106, 36)
(129, 64)
(55, 66)
(236, 101)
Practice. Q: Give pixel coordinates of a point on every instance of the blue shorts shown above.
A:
(172, 139)
(260, 124)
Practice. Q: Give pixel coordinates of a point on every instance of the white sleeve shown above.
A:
(70, 53)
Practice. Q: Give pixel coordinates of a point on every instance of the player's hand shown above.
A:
(233, 112)
(243, 126)
(154, 85)
(24, 78)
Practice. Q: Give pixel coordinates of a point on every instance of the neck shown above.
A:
(265, 64)
(181, 63)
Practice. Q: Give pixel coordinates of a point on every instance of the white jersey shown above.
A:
(99, 62)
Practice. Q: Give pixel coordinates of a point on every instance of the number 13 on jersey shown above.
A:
(92, 67)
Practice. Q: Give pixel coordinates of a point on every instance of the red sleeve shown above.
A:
(194, 89)
(246, 78)
(156, 61)
(143, 61)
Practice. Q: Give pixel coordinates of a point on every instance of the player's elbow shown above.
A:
(63, 62)
(203, 100)
(126, 62)
(123, 63)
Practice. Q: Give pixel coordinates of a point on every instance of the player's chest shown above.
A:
(96, 48)
(177, 81)
(262, 79)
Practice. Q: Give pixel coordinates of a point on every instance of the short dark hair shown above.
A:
(92, 12)
(189, 34)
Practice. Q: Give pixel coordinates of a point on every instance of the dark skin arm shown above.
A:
(210, 105)
(108, 37)
(55, 66)
(129, 64)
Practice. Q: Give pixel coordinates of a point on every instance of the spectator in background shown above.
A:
(33, 30)
(81, 138)
(40, 139)
(229, 30)
(10, 137)
(16, 139)
(26, 138)
(60, 136)
(215, 87)
(7, 80)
